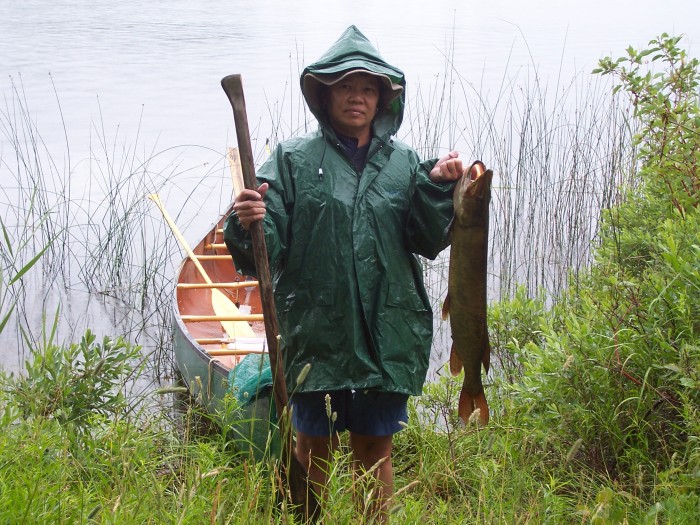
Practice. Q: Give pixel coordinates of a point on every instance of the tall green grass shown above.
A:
(125, 465)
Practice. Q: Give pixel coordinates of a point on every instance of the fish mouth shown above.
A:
(475, 181)
(475, 170)
(479, 186)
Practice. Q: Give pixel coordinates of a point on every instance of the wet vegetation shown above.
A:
(594, 326)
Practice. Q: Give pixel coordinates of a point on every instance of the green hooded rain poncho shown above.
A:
(342, 244)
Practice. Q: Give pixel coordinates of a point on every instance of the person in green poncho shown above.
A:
(346, 210)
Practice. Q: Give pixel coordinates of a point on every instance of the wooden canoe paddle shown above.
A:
(294, 474)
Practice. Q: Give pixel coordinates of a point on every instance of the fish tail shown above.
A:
(468, 403)
(483, 406)
(455, 362)
(446, 308)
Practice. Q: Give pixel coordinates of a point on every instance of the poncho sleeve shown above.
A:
(430, 213)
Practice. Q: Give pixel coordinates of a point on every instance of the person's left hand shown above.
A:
(449, 168)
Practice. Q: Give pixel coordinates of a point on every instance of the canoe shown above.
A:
(217, 324)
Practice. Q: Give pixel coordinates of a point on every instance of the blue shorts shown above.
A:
(365, 412)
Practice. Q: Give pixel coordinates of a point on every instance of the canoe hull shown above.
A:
(207, 376)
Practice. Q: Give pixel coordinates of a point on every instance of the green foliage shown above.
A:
(666, 107)
(502, 473)
(513, 324)
(613, 382)
(12, 266)
(71, 451)
(78, 383)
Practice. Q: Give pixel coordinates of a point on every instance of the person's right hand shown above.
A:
(448, 169)
(249, 205)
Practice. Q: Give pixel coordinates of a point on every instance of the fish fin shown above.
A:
(448, 230)
(468, 403)
(483, 406)
(486, 359)
(446, 307)
(455, 362)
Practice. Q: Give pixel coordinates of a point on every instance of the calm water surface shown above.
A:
(144, 77)
(111, 62)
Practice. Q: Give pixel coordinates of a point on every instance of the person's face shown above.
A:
(352, 104)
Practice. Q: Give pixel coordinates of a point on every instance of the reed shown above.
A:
(559, 159)
(98, 243)
(559, 156)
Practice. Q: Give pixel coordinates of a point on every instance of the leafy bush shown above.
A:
(77, 383)
(666, 106)
(513, 324)
(615, 376)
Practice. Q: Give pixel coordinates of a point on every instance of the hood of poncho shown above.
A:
(353, 51)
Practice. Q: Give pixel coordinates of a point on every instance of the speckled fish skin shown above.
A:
(466, 301)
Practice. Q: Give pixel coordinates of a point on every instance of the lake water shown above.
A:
(139, 82)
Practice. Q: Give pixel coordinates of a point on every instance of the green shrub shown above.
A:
(666, 107)
(615, 376)
(514, 323)
(76, 384)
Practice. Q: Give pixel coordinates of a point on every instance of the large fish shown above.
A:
(465, 303)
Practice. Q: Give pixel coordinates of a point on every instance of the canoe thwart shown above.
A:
(233, 351)
(214, 257)
(254, 343)
(204, 318)
(235, 346)
(228, 286)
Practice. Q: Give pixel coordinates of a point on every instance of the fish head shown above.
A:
(473, 194)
